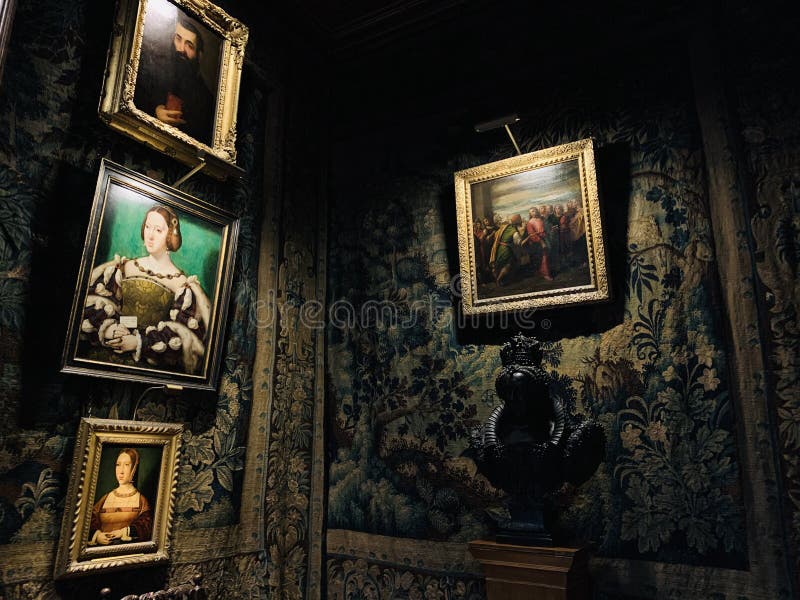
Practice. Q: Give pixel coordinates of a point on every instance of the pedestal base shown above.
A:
(533, 572)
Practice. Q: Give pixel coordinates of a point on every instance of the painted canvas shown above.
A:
(121, 497)
(530, 232)
(153, 289)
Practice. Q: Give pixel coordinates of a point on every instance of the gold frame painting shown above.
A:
(530, 234)
(172, 80)
(154, 284)
(121, 496)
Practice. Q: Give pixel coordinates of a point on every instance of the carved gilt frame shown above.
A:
(117, 107)
(75, 555)
(562, 175)
(7, 8)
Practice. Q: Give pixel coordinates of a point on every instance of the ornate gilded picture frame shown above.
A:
(154, 283)
(7, 8)
(121, 495)
(530, 233)
(172, 80)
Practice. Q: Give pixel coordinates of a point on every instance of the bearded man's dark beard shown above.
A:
(184, 72)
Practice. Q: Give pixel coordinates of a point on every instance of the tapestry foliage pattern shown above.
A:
(770, 131)
(363, 565)
(349, 579)
(294, 475)
(406, 389)
(289, 468)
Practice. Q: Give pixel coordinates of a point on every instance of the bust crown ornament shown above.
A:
(530, 445)
(521, 350)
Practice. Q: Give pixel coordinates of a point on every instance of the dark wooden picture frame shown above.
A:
(154, 284)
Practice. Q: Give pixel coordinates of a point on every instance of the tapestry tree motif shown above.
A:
(405, 390)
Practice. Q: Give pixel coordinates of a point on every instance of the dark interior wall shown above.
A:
(407, 380)
(401, 500)
(767, 111)
(52, 144)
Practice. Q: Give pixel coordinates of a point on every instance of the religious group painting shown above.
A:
(530, 232)
(172, 80)
(154, 282)
(121, 496)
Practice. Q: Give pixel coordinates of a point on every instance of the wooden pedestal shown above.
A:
(533, 572)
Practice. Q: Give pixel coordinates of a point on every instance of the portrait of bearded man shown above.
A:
(178, 57)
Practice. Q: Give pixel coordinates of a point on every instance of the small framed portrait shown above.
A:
(172, 79)
(153, 286)
(120, 498)
(530, 233)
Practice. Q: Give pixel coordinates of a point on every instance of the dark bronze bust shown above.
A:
(530, 446)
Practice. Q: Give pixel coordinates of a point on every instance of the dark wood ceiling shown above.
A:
(348, 24)
(340, 18)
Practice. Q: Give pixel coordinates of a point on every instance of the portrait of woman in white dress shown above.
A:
(151, 299)
(145, 309)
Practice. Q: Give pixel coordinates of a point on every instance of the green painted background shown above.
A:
(120, 233)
